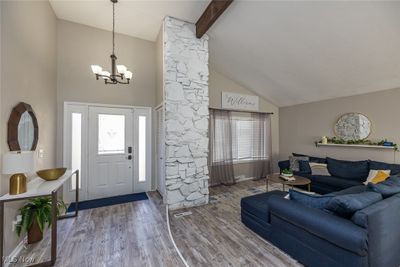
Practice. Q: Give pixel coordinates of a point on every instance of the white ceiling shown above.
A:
(304, 51)
(289, 52)
(140, 19)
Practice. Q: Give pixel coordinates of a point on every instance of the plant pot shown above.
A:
(34, 233)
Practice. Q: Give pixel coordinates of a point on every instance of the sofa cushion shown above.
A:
(319, 169)
(309, 200)
(351, 190)
(312, 159)
(336, 182)
(294, 162)
(354, 170)
(304, 166)
(257, 205)
(347, 205)
(387, 188)
(377, 165)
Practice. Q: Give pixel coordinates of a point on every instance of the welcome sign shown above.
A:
(239, 101)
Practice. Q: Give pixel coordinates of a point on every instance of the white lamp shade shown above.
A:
(97, 69)
(21, 162)
(121, 69)
(106, 75)
(128, 75)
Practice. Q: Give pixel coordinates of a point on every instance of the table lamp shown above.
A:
(17, 164)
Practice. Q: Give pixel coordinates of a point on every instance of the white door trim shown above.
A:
(69, 193)
(85, 163)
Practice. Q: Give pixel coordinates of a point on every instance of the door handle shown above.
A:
(129, 157)
(129, 149)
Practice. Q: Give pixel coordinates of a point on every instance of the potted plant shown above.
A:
(35, 215)
(287, 173)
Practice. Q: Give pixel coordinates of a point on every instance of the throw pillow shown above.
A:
(319, 169)
(380, 177)
(347, 205)
(304, 166)
(309, 200)
(294, 162)
(373, 175)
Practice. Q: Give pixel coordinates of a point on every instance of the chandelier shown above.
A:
(119, 73)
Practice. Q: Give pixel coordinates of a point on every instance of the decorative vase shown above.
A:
(34, 233)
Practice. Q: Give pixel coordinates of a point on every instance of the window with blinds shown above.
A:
(244, 139)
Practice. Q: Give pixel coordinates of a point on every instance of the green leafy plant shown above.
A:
(38, 209)
(335, 140)
(287, 172)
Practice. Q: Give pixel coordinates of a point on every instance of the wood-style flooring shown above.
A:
(135, 234)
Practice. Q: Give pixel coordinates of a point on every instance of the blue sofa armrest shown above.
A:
(284, 164)
(339, 231)
(382, 221)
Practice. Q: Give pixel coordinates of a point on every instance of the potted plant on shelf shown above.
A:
(35, 216)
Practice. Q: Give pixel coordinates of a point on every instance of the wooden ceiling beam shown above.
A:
(210, 15)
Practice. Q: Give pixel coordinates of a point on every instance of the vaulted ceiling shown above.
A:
(289, 52)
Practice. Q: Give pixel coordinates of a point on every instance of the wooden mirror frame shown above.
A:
(13, 121)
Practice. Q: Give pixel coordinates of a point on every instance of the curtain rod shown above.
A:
(247, 111)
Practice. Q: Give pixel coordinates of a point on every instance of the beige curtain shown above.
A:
(262, 150)
(220, 158)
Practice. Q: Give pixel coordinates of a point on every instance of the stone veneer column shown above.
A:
(186, 114)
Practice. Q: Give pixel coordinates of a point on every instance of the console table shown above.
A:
(41, 188)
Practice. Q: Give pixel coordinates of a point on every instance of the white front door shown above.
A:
(110, 152)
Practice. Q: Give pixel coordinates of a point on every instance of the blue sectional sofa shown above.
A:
(344, 174)
(317, 238)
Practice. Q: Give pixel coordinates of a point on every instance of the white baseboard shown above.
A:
(14, 254)
(242, 178)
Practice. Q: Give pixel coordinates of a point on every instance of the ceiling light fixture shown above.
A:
(119, 73)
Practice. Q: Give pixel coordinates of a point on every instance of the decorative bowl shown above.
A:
(51, 174)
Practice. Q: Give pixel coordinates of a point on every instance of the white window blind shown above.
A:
(245, 139)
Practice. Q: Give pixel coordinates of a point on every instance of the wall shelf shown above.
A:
(355, 145)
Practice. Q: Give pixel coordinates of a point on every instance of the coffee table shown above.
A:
(275, 178)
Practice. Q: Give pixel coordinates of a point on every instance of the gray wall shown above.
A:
(219, 83)
(301, 125)
(79, 47)
(28, 73)
(160, 68)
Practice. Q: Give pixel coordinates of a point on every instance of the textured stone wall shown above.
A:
(186, 114)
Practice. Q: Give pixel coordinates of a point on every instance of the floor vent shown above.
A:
(182, 214)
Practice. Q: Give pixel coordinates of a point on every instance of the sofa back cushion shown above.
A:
(347, 205)
(312, 159)
(377, 165)
(387, 188)
(309, 200)
(354, 170)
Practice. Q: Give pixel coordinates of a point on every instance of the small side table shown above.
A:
(275, 178)
(41, 188)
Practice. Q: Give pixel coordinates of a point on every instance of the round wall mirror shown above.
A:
(353, 126)
(23, 130)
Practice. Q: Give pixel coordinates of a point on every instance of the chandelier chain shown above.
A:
(113, 43)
